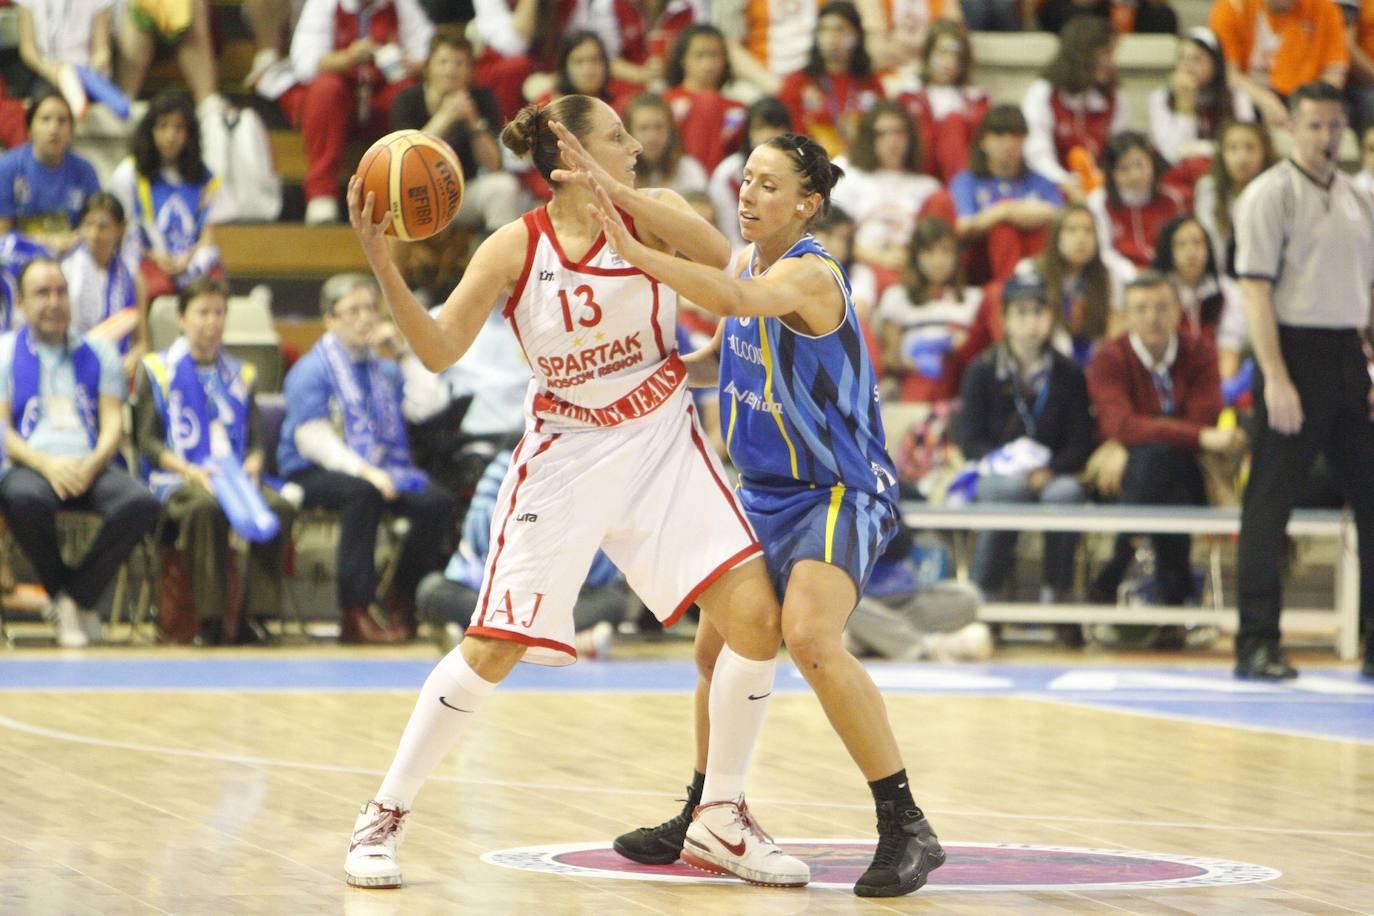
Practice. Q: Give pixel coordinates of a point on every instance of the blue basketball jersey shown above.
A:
(802, 409)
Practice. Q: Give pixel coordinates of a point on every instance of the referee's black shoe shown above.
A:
(1367, 669)
(1264, 661)
(659, 845)
(908, 851)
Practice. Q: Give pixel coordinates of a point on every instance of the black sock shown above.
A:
(895, 788)
(694, 791)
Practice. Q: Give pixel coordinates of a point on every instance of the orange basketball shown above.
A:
(417, 177)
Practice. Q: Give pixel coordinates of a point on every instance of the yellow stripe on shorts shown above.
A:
(831, 517)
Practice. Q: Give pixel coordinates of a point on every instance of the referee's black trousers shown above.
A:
(1329, 369)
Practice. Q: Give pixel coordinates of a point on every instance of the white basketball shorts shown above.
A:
(652, 495)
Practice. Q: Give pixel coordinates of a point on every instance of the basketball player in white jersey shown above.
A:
(613, 458)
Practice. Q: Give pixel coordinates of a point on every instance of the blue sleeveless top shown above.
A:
(798, 410)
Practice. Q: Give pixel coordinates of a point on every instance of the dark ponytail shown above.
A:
(819, 175)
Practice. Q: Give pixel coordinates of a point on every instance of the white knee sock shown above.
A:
(448, 704)
(739, 691)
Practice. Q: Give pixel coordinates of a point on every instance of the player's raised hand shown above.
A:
(371, 236)
(617, 236)
(582, 168)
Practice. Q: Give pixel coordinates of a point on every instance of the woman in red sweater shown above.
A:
(829, 95)
(698, 69)
(1134, 205)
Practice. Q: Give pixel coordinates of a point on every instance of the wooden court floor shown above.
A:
(227, 802)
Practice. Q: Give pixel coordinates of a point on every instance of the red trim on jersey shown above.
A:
(531, 245)
(729, 496)
(747, 553)
(653, 319)
(646, 397)
(510, 510)
(546, 227)
(522, 639)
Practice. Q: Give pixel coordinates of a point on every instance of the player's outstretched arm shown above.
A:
(439, 342)
(662, 217)
(797, 286)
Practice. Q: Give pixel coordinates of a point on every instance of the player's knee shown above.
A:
(706, 657)
(811, 647)
(490, 658)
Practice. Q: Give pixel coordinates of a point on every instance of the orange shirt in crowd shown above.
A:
(1283, 49)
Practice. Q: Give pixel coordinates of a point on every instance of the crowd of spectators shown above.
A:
(1059, 279)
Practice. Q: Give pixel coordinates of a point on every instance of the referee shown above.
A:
(1305, 258)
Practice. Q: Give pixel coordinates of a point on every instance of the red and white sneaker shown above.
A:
(371, 858)
(725, 839)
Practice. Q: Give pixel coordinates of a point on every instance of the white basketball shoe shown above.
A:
(371, 858)
(724, 838)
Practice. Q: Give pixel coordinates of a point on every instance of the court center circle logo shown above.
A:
(971, 866)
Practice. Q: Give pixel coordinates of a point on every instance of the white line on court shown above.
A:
(249, 760)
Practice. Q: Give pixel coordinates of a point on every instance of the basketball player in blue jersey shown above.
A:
(799, 407)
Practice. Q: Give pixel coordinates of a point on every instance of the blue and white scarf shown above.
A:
(376, 432)
(26, 407)
(185, 405)
(110, 287)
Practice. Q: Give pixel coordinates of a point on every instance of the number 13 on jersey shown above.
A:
(590, 311)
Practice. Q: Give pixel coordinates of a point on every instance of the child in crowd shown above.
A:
(584, 68)
(1086, 292)
(883, 187)
(1075, 105)
(830, 94)
(1134, 204)
(1187, 112)
(1211, 301)
(1022, 394)
(698, 70)
(944, 106)
(924, 322)
(102, 290)
(1003, 206)
(1245, 150)
(662, 162)
(171, 197)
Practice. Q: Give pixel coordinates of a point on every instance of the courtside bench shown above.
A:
(1343, 621)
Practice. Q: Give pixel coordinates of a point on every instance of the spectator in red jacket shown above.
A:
(1134, 205)
(943, 104)
(698, 69)
(1075, 105)
(829, 95)
(351, 61)
(1157, 393)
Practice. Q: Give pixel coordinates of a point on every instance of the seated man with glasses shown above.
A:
(344, 443)
(1157, 394)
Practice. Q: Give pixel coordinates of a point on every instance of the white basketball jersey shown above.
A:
(599, 334)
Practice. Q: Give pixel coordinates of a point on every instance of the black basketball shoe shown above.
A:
(659, 845)
(908, 851)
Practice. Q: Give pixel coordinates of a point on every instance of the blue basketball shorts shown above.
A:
(838, 525)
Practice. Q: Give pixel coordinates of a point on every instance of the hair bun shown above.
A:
(520, 134)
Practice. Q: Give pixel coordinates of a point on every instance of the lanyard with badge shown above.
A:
(220, 446)
(60, 411)
(1030, 413)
